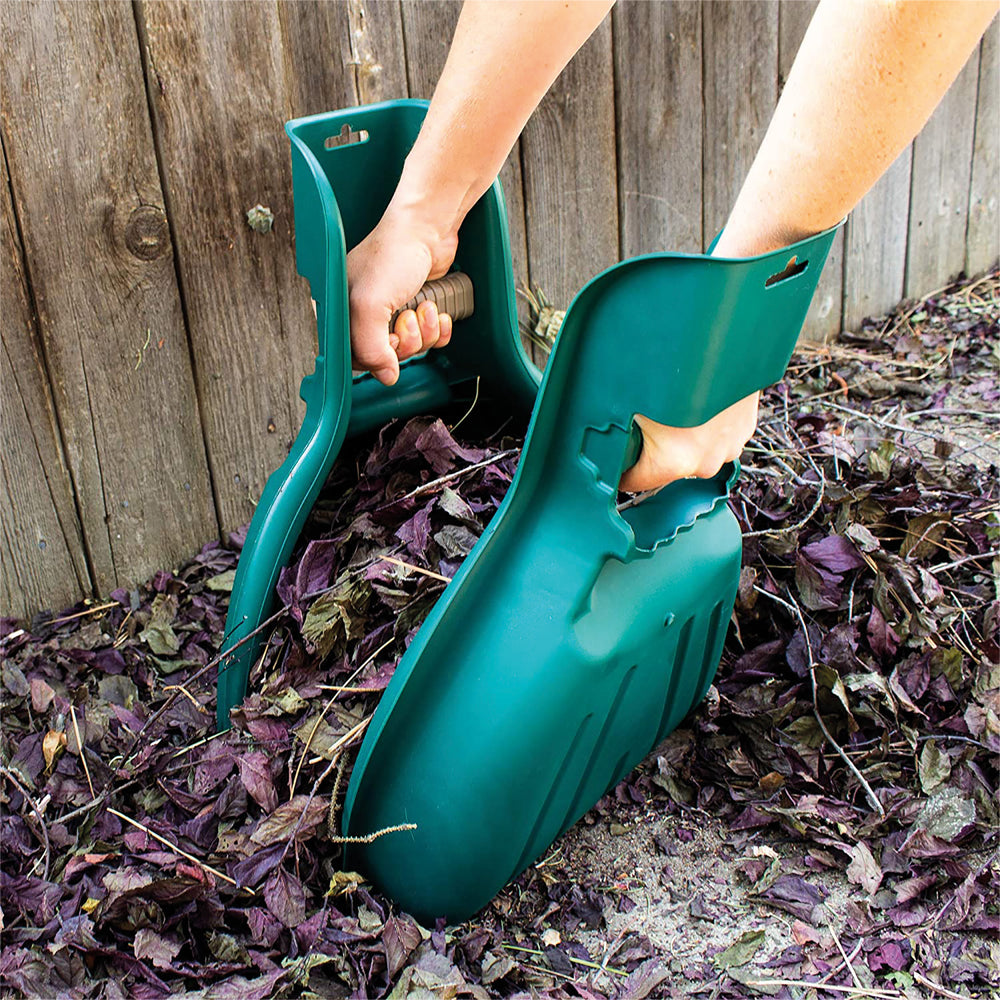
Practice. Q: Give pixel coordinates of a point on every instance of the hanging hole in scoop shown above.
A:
(791, 269)
(345, 137)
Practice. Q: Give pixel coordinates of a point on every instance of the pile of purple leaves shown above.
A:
(856, 714)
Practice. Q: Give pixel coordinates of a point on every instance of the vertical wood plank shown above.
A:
(83, 174)
(428, 28)
(939, 188)
(740, 92)
(217, 82)
(875, 245)
(823, 321)
(42, 561)
(570, 174)
(658, 112)
(340, 54)
(983, 239)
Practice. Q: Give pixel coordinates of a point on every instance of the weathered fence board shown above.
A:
(41, 548)
(339, 54)
(939, 202)
(570, 185)
(83, 174)
(216, 76)
(983, 241)
(740, 81)
(826, 312)
(659, 126)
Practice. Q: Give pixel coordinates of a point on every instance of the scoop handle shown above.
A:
(452, 294)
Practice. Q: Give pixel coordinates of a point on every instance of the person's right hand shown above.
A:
(385, 270)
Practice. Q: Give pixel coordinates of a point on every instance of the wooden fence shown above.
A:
(153, 343)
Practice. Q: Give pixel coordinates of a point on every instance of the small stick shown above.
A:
(327, 707)
(370, 837)
(184, 691)
(435, 483)
(12, 778)
(967, 559)
(819, 987)
(83, 751)
(935, 988)
(840, 948)
(177, 850)
(416, 569)
(81, 614)
(793, 607)
(575, 961)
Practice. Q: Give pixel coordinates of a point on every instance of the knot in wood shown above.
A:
(146, 233)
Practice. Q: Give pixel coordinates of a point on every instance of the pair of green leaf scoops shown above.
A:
(574, 637)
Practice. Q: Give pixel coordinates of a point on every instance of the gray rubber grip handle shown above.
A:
(452, 294)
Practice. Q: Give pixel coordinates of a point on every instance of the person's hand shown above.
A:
(670, 453)
(385, 270)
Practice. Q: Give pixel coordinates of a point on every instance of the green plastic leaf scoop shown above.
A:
(576, 635)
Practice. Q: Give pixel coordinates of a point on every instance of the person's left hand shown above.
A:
(670, 453)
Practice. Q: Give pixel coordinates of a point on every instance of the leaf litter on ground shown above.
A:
(855, 720)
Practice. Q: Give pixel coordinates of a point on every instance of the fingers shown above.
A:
(672, 453)
(421, 330)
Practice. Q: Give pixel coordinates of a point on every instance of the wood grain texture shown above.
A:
(740, 84)
(983, 239)
(570, 174)
(875, 245)
(341, 54)
(939, 188)
(42, 561)
(428, 29)
(657, 52)
(216, 77)
(823, 321)
(86, 190)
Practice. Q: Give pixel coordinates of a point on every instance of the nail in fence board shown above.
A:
(358, 45)
(428, 29)
(216, 76)
(657, 50)
(939, 187)
(99, 256)
(823, 321)
(41, 546)
(740, 91)
(570, 185)
(983, 240)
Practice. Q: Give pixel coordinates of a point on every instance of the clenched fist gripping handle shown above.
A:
(575, 636)
(452, 294)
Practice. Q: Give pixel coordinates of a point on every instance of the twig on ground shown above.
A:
(44, 837)
(840, 948)
(326, 708)
(177, 850)
(457, 474)
(852, 991)
(936, 988)
(416, 569)
(82, 749)
(83, 614)
(852, 767)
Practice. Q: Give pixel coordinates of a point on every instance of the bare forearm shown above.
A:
(504, 57)
(867, 77)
